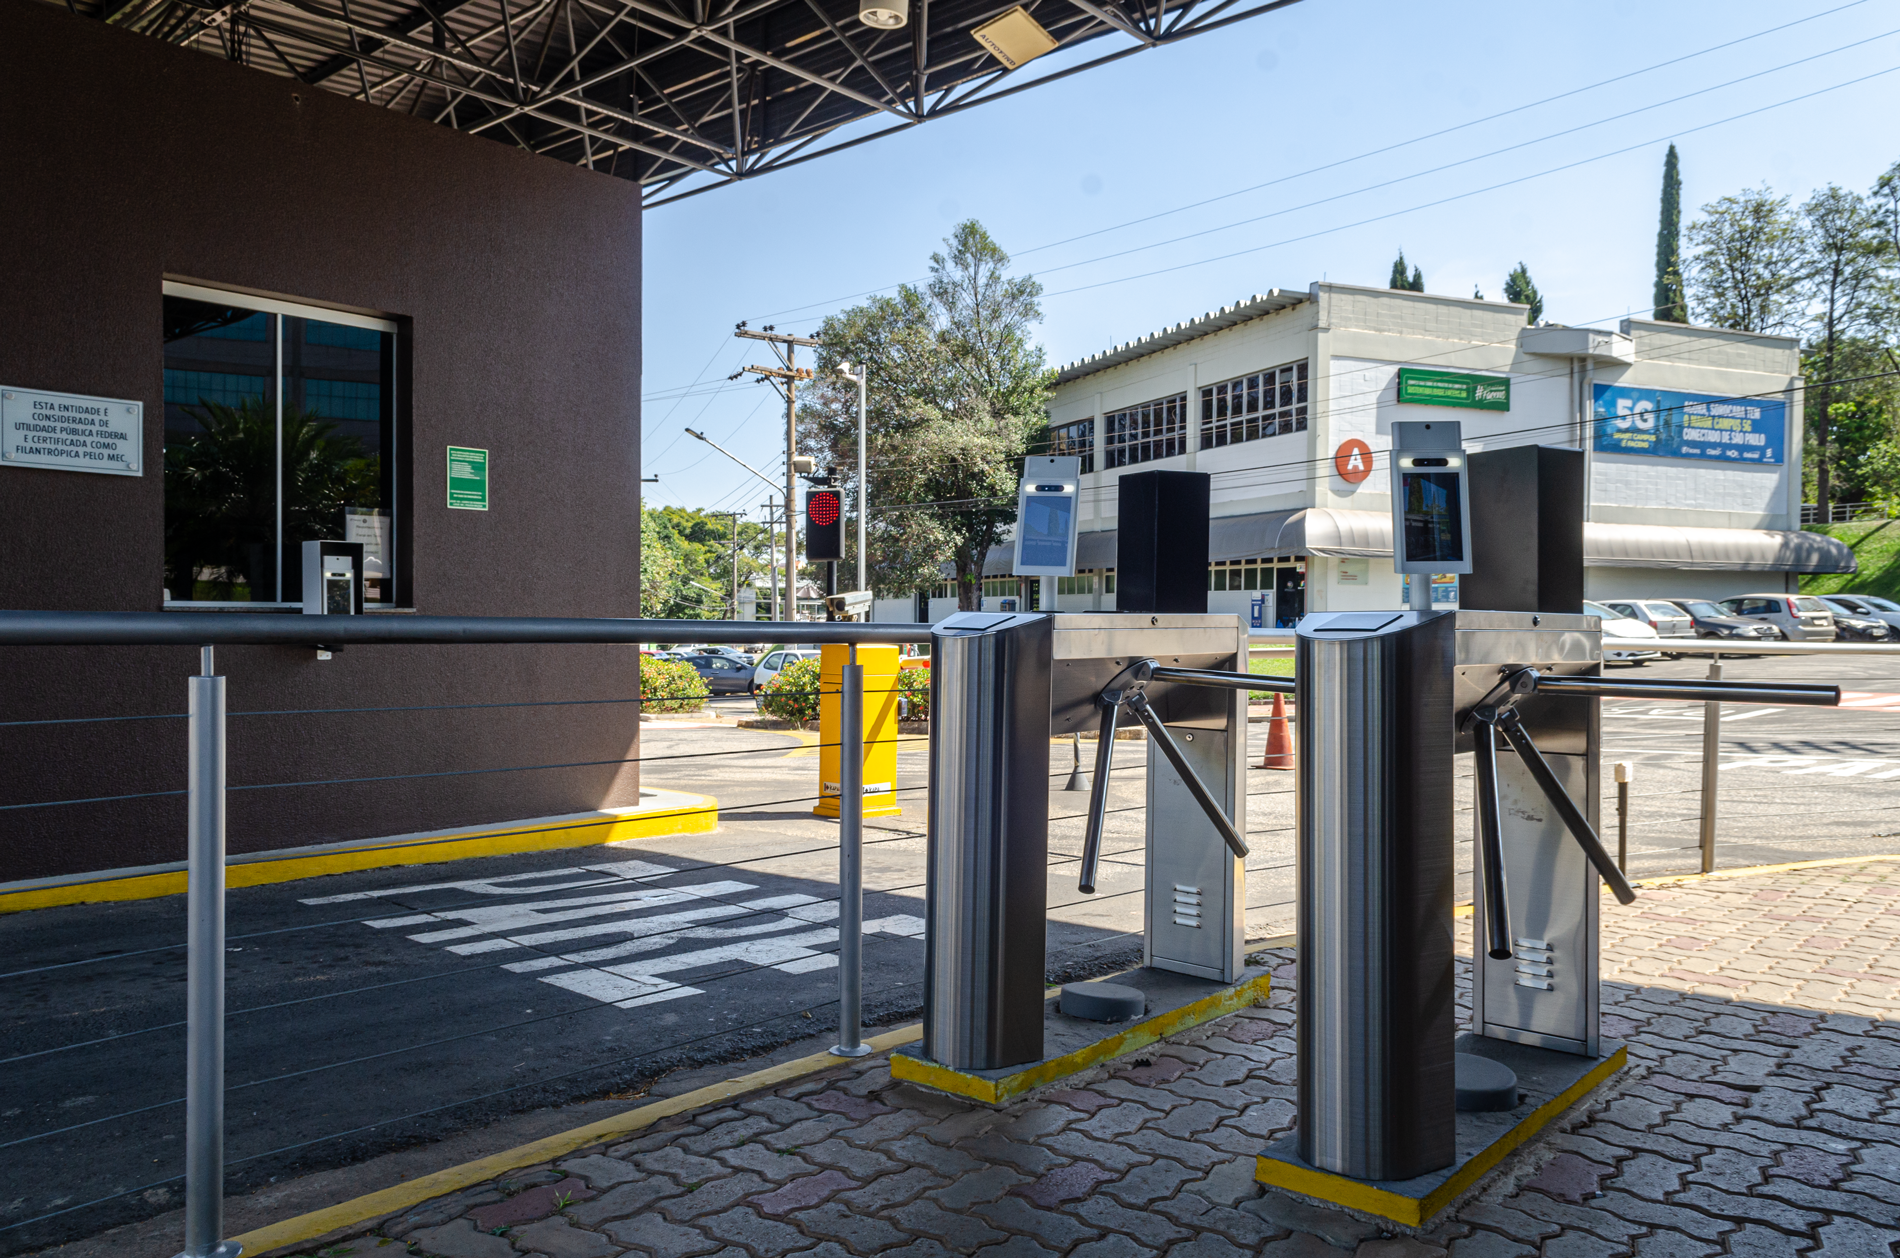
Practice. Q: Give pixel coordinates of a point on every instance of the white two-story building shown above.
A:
(1692, 438)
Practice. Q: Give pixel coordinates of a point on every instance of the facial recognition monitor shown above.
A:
(1431, 517)
(1046, 516)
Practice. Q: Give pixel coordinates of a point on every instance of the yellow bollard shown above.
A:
(880, 728)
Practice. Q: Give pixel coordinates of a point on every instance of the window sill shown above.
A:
(279, 608)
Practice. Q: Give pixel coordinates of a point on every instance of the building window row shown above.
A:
(1246, 574)
(1264, 404)
(1075, 439)
(1141, 434)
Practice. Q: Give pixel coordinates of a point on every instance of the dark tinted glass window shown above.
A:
(278, 430)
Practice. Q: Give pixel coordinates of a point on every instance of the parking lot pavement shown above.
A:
(1756, 1119)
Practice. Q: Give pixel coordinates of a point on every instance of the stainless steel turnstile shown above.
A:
(1001, 685)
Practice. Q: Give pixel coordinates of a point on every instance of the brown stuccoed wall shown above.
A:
(125, 161)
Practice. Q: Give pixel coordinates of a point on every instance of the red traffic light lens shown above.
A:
(823, 509)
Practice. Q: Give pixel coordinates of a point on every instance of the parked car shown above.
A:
(1668, 620)
(1800, 617)
(775, 663)
(1852, 623)
(1867, 606)
(722, 674)
(731, 653)
(1712, 621)
(1619, 626)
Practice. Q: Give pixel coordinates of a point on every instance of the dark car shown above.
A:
(722, 674)
(1713, 621)
(1862, 628)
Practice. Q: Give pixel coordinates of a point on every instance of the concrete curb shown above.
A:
(677, 813)
(351, 1215)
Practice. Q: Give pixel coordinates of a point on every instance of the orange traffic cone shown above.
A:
(1279, 740)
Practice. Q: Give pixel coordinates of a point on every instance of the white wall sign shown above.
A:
(71, 432)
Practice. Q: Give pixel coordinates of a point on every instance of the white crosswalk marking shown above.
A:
(790, 934)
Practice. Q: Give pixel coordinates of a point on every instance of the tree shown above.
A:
(1746, 269)
(1667, 300)
(1518, 288)
(1846, 248)
(660, 565)
(955, 393)
(1414, 284)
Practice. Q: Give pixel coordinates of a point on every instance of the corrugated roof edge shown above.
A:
(1213, 321)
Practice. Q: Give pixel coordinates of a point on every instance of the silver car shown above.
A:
(1801, 617)
(1668, 620)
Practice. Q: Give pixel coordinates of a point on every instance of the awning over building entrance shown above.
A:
(1368, 535)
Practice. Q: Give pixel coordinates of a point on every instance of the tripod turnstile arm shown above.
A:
(1511, 725)
(1098, 797)
(1497, 913)
(1127, 690)
(1189, 778)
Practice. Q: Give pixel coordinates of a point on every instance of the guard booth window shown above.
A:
(280, 428)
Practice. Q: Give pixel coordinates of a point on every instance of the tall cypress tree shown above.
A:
(1398, 279)
(1418, 281)
(1518, 288)
(1668, 296)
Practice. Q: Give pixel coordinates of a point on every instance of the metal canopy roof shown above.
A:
(1213, 321)
(679, 95)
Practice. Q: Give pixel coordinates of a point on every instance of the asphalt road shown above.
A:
(383, 1009)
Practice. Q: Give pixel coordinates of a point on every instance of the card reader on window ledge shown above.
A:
(332, 582)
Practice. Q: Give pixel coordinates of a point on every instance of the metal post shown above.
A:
(204, 988)
(851, 861)
(1623, 776)
(864, 488)
(771, 548)
(1711, 764)
(791, 483)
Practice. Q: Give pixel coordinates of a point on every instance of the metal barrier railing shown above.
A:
(206, 789)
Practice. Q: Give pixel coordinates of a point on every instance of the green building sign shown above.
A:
(1454, 388)
(468, 478)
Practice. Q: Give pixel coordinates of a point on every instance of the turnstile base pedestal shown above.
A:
(1549, 1083)
(1175, 1003)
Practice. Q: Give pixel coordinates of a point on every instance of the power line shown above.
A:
(1382, 150)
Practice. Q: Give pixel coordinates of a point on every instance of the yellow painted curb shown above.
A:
(1750, 871)
(1417, 1211)
(993, 1090)
(700, 817)
(399, 1197)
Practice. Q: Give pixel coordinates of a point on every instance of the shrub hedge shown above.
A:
(793, 694)
(670, 686)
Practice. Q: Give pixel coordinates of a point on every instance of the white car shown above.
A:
(1615, 626)
(775, 663)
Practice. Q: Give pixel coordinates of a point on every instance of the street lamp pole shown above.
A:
(864, 489)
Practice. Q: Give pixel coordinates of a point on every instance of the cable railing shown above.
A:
(206, 860)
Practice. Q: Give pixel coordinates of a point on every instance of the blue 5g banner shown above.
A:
(1689, 425)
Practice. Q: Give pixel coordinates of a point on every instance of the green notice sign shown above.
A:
(468, 478)
(1454, 388)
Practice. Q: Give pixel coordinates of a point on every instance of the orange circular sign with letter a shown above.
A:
(1353, 460)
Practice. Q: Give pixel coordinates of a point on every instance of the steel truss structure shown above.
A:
(679, 95)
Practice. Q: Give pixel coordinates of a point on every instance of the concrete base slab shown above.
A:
(1549, 1083)
(1175, 1003)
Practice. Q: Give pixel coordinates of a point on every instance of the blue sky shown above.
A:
(1268, 102)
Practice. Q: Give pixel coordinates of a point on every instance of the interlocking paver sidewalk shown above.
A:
(1758, 1119)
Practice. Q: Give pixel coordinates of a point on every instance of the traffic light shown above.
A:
(824, 524)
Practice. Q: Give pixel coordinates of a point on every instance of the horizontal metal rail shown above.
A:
(1230, 681)
(1707, 691)
(1728, 646)
(29, 628)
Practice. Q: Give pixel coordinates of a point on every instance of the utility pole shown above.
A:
(734, 517)
(786, 376)
(771, 547)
